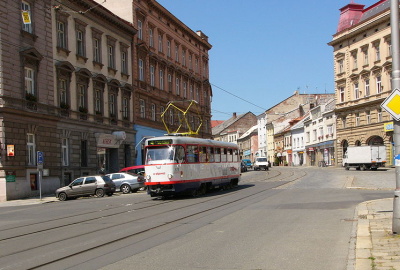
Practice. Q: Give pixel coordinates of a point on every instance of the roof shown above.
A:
(218, 129)
(249, 131)
(215, 123)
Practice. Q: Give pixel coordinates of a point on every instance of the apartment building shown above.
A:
(231, 129)
(362, 67)
(66, 91)
(248, 144)
(320, 135)
(171, 63)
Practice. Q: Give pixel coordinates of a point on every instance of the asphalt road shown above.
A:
(285, 218)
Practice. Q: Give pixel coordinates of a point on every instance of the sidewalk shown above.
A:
(376, 247)
(30, 201)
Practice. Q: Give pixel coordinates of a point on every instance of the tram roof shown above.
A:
(192, 140)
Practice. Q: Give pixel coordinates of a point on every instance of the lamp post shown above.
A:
(394, 22)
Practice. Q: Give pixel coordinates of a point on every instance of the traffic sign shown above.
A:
(392, 104)
(40, 157)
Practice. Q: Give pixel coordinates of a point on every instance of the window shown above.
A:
(377, 53)
(169, 82)
(31, 145)
(184, 89)
(196, 67)
(356, 91)
(81, 97)
(141, 70)
(340, 66)
(171, 117)
(190, 61)
(177, 90)
(124, 62)
(29, 81)
(151, 38)
(153, 112)
(169, 48)
(176, 53)
(355, 63)
(183, 57)
(379, 115)
(61, 35)
(26, 9)
(64, 152)
(341, 93)
(160, 43)
(112, 105)
(140, 29)
(367, 92)
(378, 84)
(80, 43)
(365, 53)
(96, 50)
(111, 56)
(389, 48)
(161, 79)
(368, 116)
(315, 134)
(62, 85)
(152, 75)
(97, 101)
(142, 108)
(191, 91)
(125, 108)
(357, 123)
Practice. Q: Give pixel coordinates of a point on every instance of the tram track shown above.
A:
(174, 216)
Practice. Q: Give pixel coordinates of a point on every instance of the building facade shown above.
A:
(171, 63)
(362, 67)
(66, 91)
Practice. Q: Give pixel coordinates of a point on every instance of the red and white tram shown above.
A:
(178, 164)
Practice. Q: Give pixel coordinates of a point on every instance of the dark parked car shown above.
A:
(127, 182)
(98, 185)
(243, 167)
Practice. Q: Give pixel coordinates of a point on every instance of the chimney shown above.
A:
(234, 115)
(349, 15)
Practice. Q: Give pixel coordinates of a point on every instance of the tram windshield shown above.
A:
(165, 154)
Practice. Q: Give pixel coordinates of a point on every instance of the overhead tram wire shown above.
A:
(226, 91)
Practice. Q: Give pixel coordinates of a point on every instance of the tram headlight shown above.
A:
(181, 174)
(148, 177)
(169, 176)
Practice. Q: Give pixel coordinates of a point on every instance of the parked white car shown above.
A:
(126, 182)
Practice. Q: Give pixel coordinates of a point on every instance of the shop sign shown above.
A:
(107, 141)
(311, 149)
(388, 127)
(10, 176)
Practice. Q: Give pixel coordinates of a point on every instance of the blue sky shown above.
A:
(264, 50)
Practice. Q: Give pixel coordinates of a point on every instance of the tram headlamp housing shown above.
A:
(148, 177)
(169, 176)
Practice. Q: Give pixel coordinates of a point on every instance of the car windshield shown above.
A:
(262, 159)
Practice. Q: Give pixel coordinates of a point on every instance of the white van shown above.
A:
(261, 163)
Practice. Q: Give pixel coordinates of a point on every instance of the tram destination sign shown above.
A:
(160, 142)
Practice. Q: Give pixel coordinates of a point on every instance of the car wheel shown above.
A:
(99, 192)
(62, 196)
(125, 189)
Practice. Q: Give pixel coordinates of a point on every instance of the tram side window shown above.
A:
(210, 154)
(217, 154)
(180, 154)
(192, 153)
(235, 155)
(203, 154)
(230, 155)
(223, 154)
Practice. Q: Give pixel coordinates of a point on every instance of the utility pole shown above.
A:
(394, 22)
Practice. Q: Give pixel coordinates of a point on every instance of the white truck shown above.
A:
(365, 157)
(261, 163)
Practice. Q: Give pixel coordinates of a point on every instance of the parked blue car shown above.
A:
(248, 163)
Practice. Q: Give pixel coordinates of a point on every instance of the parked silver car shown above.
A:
(126, 182)
(98, 185)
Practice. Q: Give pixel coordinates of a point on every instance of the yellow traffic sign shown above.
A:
(392, 104)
